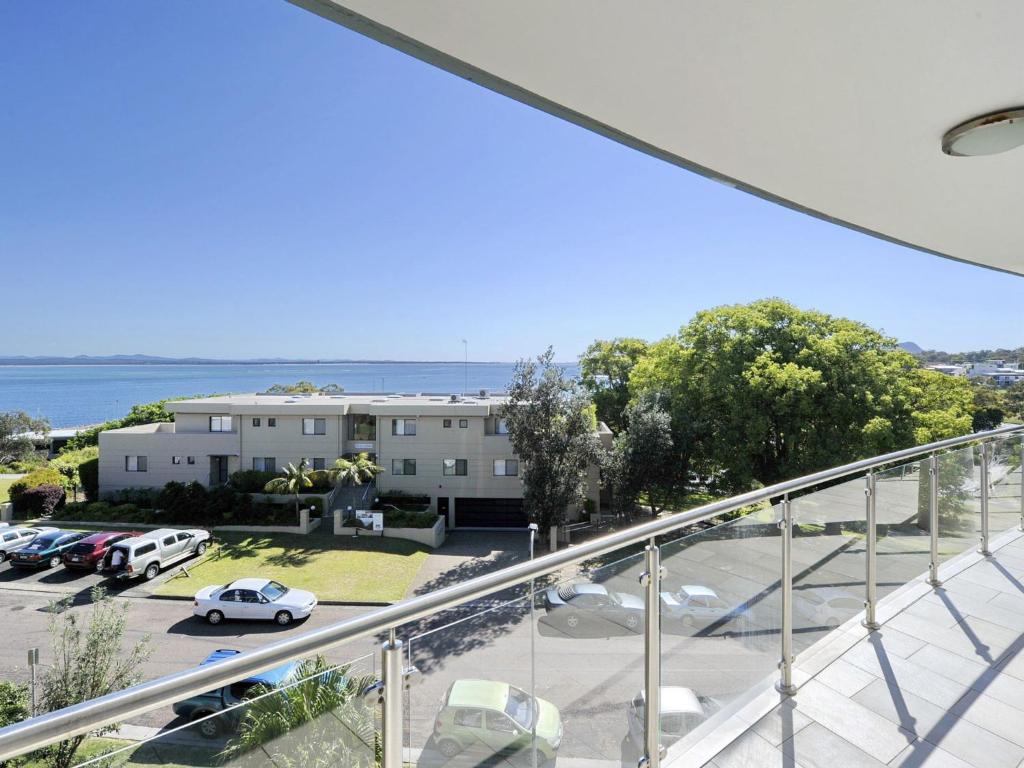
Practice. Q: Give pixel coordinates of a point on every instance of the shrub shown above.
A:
(250, 480)
(74, 510)
(89, 477)
(220, 505)
(41, 500)
(264, 513)
(97, 510)
(139, 497)
(44, 476)
(13, 703)
(125, 512)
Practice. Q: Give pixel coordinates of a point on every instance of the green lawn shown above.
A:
(4, 485)
(364, 569)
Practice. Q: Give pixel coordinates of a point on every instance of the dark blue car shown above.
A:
(225, 700)
(45, 550)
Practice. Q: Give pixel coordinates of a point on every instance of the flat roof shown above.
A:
(356, 402)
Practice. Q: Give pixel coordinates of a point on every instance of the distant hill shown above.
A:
(910, 347)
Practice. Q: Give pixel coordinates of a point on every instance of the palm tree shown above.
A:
(354, 471)
(293, 480)
(322, 720)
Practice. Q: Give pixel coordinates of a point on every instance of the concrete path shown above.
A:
(467, 554)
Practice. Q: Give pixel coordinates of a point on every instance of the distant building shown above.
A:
(1002, 372)
(949, 370)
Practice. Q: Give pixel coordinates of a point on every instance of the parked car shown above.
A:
(87, 554)
(224, 699)
(826, 606)
(254, 600)
(693, 605)
(145, 555)
(498, 717)
(681, 711)
(583, 605)
(16, 538)
(46, 549)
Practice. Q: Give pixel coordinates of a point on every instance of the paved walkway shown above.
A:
(940, 684)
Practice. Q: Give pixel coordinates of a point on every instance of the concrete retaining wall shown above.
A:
(432, 537)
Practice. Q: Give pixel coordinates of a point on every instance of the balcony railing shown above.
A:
(671, 623)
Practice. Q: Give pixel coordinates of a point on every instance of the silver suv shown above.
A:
(147, 554)
(16, 538)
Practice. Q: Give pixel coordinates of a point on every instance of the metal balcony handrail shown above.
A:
(81, 718)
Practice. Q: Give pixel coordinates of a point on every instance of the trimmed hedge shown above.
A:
(407, 519)
(250, 480)
(89, 477)
(40, 501)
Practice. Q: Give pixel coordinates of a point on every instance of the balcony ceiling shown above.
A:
(836, 109)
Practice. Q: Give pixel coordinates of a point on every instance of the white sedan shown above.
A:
(255, 600)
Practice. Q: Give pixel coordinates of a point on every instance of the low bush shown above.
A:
(321, 480)
(140, 497)
(44, 476)
(40, 501)
(250, 480)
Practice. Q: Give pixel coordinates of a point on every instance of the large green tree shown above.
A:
(644, 460)
(766, 391)
(552, 429)
(989, 405)
(15, 427)
(604, 370)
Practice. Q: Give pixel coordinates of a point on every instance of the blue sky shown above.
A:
(243, 178)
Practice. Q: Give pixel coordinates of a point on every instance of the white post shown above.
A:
(554, 538)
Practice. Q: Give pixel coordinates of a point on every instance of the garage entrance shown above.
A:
(489, 513)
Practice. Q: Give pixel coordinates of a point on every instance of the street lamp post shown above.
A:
(532, 528)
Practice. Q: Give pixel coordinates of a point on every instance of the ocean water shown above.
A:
(74, 395)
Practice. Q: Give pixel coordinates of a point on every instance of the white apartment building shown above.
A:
(451, 448)
(1002, 372)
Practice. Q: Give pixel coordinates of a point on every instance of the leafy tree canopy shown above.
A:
(766, 391)
(604, 370)
(15, 444)
(551, 427)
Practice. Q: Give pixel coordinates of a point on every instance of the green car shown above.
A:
(497, 718)
(46, 549)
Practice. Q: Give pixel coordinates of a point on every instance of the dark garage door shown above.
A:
(489, 513)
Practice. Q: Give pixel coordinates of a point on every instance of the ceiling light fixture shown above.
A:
(986, 135)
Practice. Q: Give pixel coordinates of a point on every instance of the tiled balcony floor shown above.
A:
(940, 684)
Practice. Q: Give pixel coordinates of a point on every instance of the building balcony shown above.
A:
(865, 615)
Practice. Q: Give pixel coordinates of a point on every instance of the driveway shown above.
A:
(467, 554)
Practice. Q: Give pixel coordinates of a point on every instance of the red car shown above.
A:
(88, 553)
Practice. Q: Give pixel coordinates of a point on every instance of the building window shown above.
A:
(255, 421)
(463, 423)
(220, 423)
(362, 426)
(403, 426)
(506, 467)
(191, 459)
(271, 421)
(264, 464)
(403, 466)
(319, 464)
(501, 427)
(456, 467)
(314, 426)
(175, 459)
(135, 463)
(447, 424)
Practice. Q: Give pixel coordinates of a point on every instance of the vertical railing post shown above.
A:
(933, 520)
(785, 683)
(393, 675)
(983, 544)
(1022, 483)
(651, 582)
(871, 569)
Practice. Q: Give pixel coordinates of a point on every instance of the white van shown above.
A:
(147, 554)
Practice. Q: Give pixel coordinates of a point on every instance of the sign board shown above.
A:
(33, 656)
(363, 446)
(374, 520)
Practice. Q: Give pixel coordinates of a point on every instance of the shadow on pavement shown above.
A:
(194, 626)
